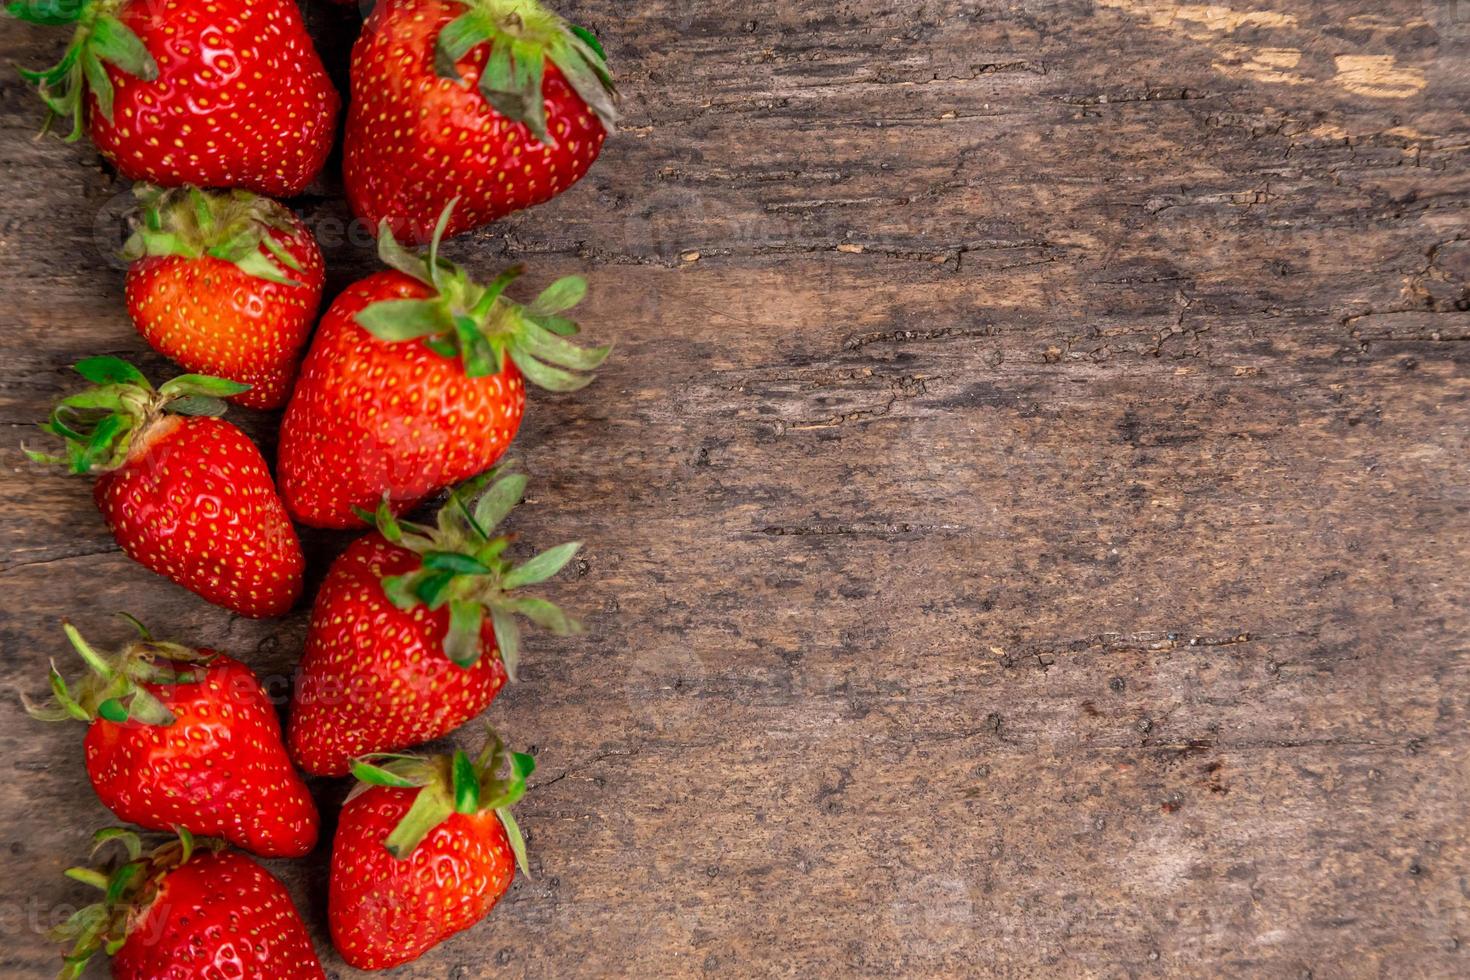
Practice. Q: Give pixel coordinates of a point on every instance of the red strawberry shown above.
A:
(187, 738)
(400, 649)
(193, 91)
(423, 851)
(414, 383)
(227, 284)
(185, 494)
(184, 911)
(499, 103)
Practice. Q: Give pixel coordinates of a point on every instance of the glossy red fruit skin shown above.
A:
(370, 417)
(375, 678)
(415, 141)
(213, 318)
(194, 502)
(219, 915)
(241, 98)
(384, 911)
(220, 770)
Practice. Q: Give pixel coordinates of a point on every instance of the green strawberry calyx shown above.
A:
(114, 688)
(100, 39)
(478, 323)
(233, 226)
(129, 888)
(465, 568)
(523, 35)
(100, 425)
(449, 784)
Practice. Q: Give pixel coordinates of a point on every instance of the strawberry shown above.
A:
(499, 103)
(192, 91)
(186, 738)
(424, 850)
(187, 910)
(227, 284)
(413, 633)
(185, 494)
(415, 381)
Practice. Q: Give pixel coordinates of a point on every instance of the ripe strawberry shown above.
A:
(424, 850)
(499, 103)
(227, 284)
(184, 494)
(187, 910)
(186, 738)
(193, 91)
(414, 383)
(400, 649)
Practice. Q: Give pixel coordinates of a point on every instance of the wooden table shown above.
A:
(1026, 512)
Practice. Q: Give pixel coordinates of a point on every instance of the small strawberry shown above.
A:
(186, 738)
(414, 382)
(499, 103)
(227, 284)
(187, 910)
(413, 633)
(192, 91)
(185, 494)
(424, 850)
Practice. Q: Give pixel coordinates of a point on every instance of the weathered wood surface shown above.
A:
(1026, 512)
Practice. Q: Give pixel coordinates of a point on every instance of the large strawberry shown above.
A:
(187, 738)
(185, 494)
(193, 91)
(414, 631)
(424, 850)
(187, 910)
(415, 381)
(499, 103)
(227, 284)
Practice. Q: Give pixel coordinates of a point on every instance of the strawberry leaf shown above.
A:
(466, 784)
(541, 567)
(201, 384)
(433, 588)
(400, 590)
(430, 808)
(114, 41)
(199, 405)
(395, 256)
(544, 344)
(545, 376)
(396, 320)
(589, 39)
(561, 295)
(544, 614)
(110, 370)
(455, 41)
(497, 502)
(378, 776)
(51, 13)
(507, 639)
(97, 81)
(516, 839)
(256, 263)
(454, 562)
(462, 643)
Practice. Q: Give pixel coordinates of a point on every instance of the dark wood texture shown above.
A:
(1026, 511)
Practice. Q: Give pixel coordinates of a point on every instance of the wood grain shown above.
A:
(1026, 510)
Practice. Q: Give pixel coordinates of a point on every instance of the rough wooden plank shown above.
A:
(1027, 510)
